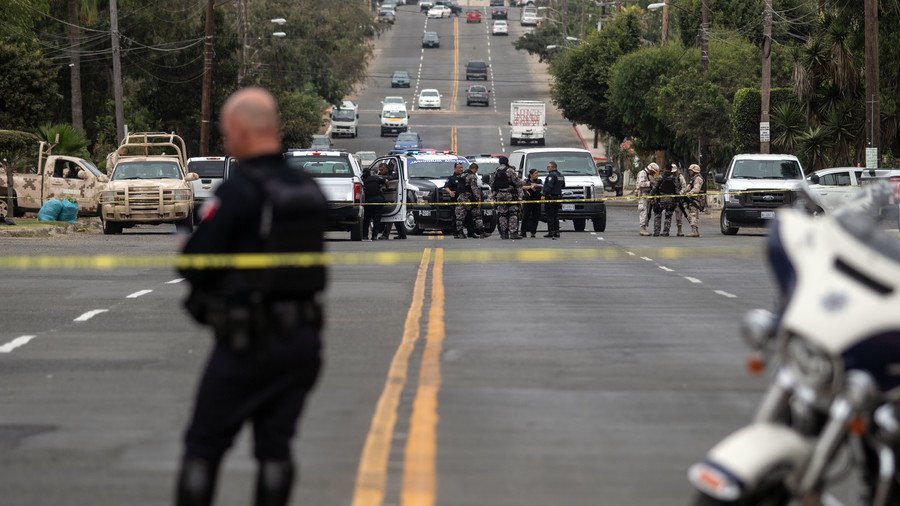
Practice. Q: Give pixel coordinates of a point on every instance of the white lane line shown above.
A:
(646, 259)
(175, 281)
(663, 267)
(693, 280)
(138, 294)
(601, 239)
(723, 293)
(90, 314)
(630, 253)
(15, 343)
(593, 233)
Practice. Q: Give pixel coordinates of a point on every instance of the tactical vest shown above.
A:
(667, 186)
(461, 185)
(501, 181)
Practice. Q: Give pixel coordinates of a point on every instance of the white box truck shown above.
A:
(527, 121)
(344, 119)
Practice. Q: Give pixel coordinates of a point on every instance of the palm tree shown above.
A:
(814, 147)
(65, 139)
(79, 11)
(843, 125)
(788, 124)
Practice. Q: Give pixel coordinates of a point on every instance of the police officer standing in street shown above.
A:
(266, 322)
(506, 183)
(553, 186)
(468, 192)
(696, 202)
(373, 191)
(645, 181)
(531, 209)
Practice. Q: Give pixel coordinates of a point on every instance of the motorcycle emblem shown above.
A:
(834, 302)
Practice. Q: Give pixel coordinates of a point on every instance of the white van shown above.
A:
(394, 119)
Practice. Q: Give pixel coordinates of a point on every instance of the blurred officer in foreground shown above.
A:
(531, 211)
(695, 202)
(645, 180)
(266, 322)
(468, 191)
(553, 186)
(505, 183)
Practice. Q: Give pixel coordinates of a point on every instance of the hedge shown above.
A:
(745, 114)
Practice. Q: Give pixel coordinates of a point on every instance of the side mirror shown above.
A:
(814, 179)
(720, 178)
(192, 176)
(83, 175)
(103, 179)
(608, 170)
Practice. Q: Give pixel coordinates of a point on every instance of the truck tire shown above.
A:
(725, 226)
(599, 223)
(356, 231)
(580, 224)
(541, 142)
(412, 228)
(7, 207)
(111, 228)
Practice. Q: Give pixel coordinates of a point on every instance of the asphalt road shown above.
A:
(534, 383)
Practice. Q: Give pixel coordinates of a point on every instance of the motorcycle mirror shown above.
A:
(885, 418)
(758, 327)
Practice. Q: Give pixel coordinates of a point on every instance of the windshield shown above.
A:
(208, 168)
(343, 115)
(432, 169)
(477, 89)
(402, 75)
(568, 163)
(322, 166)
(477, 65)
(393, 100)
(394, 114)
(766, 169)
(92, 168)
(407, 137)
(146, 170)
(430, 93)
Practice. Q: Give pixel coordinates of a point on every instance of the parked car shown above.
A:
(477, 69)
(339, 176)
(478, 94)
(836, 186)
(499, 13)
(439, 11)
(211, 170)
(430, 98)
(500, 28)
(320, 142)
(400, 79)
(387, 16)
(473, 16)
(431, 39)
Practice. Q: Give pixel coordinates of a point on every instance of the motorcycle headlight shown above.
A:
(107, 197)
(811, 366)
(182, 195)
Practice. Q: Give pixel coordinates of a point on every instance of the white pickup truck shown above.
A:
(339, 176)
(770, 182)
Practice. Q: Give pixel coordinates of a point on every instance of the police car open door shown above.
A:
(396, 192)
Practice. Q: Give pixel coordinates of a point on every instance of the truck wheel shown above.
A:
(356, 231)
(7, 207)
(541, 142)
(580, 224)
(599, 222)
(111, 228)
(725, 226)
(412, 228)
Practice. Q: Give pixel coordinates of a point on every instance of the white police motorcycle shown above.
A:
(833, 344)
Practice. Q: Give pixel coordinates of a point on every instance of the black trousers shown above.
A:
(552, 212)
(386, 229)
(266, 387)
(531, 215)
(372, 214)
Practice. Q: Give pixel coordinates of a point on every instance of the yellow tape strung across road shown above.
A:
(252, 261)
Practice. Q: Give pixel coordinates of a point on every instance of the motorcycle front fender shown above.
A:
(739, 464)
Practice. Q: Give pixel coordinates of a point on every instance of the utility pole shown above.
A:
(665, 22)
(704, 35)
(564, 14)
(205, 114)
(766, 87)
(243, 23)
(873, 93)
(118, 94)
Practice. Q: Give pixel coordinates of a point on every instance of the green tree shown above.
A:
(28, 91)
(536, 42)
(301, 116)
(65, 139)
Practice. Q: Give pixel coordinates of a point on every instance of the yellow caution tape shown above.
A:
(251, 261)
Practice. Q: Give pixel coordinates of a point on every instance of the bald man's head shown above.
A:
(250, 124)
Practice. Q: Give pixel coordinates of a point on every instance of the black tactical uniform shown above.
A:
(267, 353)
(531, 211)
(373, 186)
(553, 185)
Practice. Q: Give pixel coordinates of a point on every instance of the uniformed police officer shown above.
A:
(374, 186)
(553, 186)
(506, 183)
(266, 322)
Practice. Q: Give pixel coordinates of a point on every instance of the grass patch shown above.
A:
(34, 222)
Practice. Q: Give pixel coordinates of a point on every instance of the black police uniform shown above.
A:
(553, 185)
(372, 188)
(531, 212)
(267, 323)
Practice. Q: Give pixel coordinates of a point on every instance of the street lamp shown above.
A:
(279, 34)
(279, 21)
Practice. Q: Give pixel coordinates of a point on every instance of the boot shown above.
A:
(644, 230)
(680, 233)
(665, 234)
(459, 235)
(196, 483)
(550, 235)
(695, 232)
(515, 236)
(273, 483)
(504, 235)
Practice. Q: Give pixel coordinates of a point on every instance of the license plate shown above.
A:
(424, 213)
(568, 207)
(767, 215)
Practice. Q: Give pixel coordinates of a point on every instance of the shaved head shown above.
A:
(250, 124)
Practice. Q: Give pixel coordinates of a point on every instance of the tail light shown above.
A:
(896, 180)
(357, 192)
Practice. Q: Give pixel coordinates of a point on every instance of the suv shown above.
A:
(478, 94)
(772, 181)
(407, 141)
(582, 181)
(339, 176)
(400, 79)
(431, 39)
(477, 69)
(211, 170)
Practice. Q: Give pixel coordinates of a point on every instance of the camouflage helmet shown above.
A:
(674, 168)
(653, 167)
(694, 168)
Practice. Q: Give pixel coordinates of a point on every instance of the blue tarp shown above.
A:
(50, 210)
(69, 211)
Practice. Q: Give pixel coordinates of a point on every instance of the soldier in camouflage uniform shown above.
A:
(680, 209)
(506, 185)
(469, 191)
(694, 204)
(645, 181)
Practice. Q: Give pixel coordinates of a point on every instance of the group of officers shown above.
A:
(512, 196)
(669, 193)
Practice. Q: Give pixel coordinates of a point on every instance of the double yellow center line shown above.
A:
(419, 482)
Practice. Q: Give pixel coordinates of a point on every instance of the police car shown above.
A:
(419, 180)
(340, 178)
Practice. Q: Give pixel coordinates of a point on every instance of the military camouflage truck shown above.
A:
(148, 184)
(54, 177)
